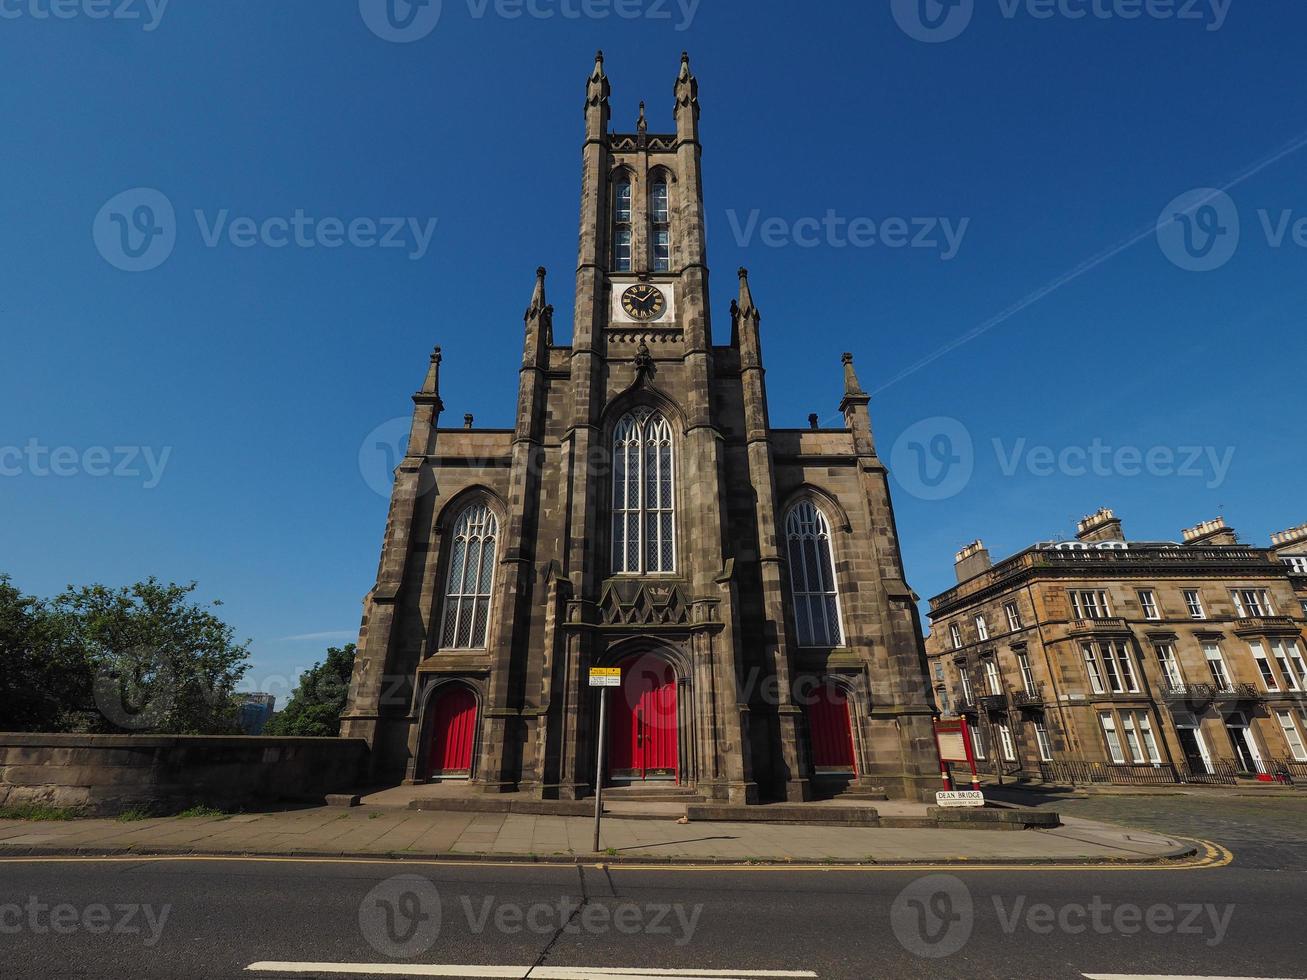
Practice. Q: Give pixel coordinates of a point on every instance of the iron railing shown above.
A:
(1079, 771)
(1034, 698)
(1217, 772)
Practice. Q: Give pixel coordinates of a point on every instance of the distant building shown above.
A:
(255, 712)
(1110, 660)
(1291, 548)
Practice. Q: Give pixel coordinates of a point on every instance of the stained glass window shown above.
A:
(471, 576)
(644, 515)
(812, 577)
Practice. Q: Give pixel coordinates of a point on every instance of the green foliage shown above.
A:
(315, 707)
(38, 811)
(144, 658)
(45, 679)
(162, 663)
(135, 814)
(200, 810)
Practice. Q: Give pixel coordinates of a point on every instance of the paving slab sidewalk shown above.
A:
(386, 832)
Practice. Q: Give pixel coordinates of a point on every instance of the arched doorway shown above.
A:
(644, 725)
(831, 731)
(453, 732)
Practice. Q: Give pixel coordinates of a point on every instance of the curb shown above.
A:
(1181, 853)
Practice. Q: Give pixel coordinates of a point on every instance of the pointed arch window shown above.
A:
(644, 514)
(466, 617)
(812, 576)
(622, 254)
(660, 221)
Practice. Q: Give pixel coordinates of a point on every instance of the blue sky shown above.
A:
(231, 388)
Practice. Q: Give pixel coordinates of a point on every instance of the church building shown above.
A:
(643, 514)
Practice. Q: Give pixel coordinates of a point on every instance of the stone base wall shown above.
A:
(107, 774)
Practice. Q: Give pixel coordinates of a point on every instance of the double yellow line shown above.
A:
(1210, 855)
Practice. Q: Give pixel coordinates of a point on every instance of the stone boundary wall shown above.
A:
(107, 774)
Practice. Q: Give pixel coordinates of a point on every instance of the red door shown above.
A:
(453, 732)
(832, 735)
(643, 724)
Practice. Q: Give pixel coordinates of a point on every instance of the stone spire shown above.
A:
(597, 92)
(429, 393)
(687, 101)
(745, 319)
(539, 324)
(853, 393)
(854, 409)
(427, 407)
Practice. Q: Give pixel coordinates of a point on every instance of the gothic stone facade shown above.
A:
(644, 514)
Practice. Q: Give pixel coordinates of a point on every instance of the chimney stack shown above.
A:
(1210, 532)
(1295, 535)
(972, 560)
(1101, 526)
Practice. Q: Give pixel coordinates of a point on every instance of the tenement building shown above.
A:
(643, 514)
(1115, 660)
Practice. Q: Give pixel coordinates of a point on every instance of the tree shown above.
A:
(159, 662)
(44, 678)
(315, 706)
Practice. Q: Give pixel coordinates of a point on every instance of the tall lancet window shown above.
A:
(471, 576)
(660, 221)
(622, 254)
(644, 516)
(812, 576)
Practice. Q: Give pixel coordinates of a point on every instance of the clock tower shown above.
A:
(644, 514)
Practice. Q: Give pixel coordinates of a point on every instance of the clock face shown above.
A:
(644, 302)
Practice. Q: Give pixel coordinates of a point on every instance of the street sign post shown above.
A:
(953, 740)
(602, 678)
(963, 797)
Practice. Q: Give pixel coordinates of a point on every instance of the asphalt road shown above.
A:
(1269, 833)
(180, 919)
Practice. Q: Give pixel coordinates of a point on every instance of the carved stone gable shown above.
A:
(632, 602)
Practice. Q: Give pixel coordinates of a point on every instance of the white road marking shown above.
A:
(536, 973)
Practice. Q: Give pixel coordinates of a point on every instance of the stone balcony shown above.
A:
(1189, 693)
(1034, 698)
(1108, 625)
(1267, 625)
(993, 702)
